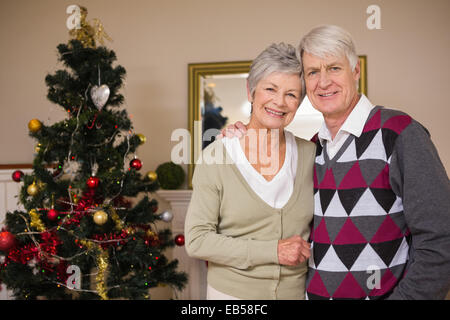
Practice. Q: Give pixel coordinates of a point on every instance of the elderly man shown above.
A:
(382, 196)
(382, 209)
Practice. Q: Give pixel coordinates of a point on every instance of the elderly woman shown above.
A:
(250, 217)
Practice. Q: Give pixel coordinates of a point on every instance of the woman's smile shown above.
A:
(274, 113)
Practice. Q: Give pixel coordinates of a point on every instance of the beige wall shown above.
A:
(408, 64)
(408, 61)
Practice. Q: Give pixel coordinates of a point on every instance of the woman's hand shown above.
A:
(293, 251)
(233, 130)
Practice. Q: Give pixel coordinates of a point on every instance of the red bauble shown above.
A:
(136, 164)
(17, 175)
(7, 240)
(93, 182)
(52, 214)
(179, 240)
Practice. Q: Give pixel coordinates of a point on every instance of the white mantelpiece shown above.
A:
(9, 201)
(194, 268)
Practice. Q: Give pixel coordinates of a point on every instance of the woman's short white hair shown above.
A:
(280, 57)
(329, 40)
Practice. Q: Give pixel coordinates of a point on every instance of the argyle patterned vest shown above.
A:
(360, 240)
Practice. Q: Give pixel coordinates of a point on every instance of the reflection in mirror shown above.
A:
(224, 101)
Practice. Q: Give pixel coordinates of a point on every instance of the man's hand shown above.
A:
(293, 251)
(233, 130)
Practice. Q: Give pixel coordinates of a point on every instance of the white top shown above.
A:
(277, 191)
(354, 124)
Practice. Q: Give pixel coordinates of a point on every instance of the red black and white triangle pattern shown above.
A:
(360, 240)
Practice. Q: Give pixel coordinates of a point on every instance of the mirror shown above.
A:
(218, 97)
(214, 89)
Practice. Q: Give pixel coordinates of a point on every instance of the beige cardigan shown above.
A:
(228, 225)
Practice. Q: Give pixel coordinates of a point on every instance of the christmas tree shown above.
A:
(83, 233)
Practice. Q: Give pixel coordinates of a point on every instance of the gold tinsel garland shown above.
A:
(102, 266)
(116, 219)
(36, 221)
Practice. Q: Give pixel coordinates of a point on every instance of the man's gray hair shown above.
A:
(280, 57)
(329, 40)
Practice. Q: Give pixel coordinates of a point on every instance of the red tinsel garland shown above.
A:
(86, 201)
(42, 255)
(107, 240)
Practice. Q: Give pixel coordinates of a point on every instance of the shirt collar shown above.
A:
(354, 124)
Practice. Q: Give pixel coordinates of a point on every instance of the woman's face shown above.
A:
(275, 101)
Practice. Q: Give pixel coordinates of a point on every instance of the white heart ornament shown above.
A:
(100, 95)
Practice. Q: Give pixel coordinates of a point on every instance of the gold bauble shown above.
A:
(33, 189)
(142, 138)
(34, 125)
(152, 176)
(100, 217)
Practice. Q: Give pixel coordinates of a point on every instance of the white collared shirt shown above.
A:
(354, 124)
(277, 191)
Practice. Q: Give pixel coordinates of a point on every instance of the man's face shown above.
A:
(331, 84)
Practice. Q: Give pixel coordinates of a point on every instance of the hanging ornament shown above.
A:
(7, 241)
(71, 167)
(119, 138)
(34, 125)
(100, 95)
(17, 175)
(142, 138)
(166, 216)
(90, 126)
(52, 214)
(33, 189)
(93, 182)
(179, 240)
(136, 164)
(152, 176)
(100, 217)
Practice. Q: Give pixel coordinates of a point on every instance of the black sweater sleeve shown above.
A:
(418, 176)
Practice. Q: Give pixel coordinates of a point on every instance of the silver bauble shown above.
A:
(166, 216)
